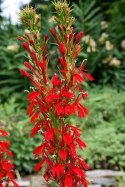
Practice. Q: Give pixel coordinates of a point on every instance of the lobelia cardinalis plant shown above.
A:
(6, 166)
(53, 101)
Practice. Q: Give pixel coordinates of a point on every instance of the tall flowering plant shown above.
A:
(6, 166)
(52, 101)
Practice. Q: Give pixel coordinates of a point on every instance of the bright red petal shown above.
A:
(68, 181)
(62, 154)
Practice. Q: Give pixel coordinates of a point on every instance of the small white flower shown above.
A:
(107, 60)
(104, 25)
(123, 44)
(103, 37)
(90, 42)
(13, 48)
(108, 45)
(115, 62)
(26, 31)
(89, 49)
(52, 19)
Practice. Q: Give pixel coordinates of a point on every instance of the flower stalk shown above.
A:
(52, 102)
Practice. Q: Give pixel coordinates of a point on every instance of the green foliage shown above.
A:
(104, 129)
(105, 106)
(102, 43)
(88, 17)
(22, 147)
(10, 61)
(120, 180)
(105, 147)
(14, 119)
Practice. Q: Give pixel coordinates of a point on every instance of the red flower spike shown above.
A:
(53, 100)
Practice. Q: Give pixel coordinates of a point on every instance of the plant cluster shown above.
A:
(6, 166)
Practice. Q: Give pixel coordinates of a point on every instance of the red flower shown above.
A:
(78, 172)
(3, 133)
(6, 167)
(68, 181)
(26, 46)
(39, 165)
(49, 135)
(55, 80)
(78, 37)
(62, 48)
(62, 154)
(67, 139)
(80, 143)
(57, 170)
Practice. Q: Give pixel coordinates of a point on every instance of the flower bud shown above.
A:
(62, 48)
(26, 46)
(78, 37)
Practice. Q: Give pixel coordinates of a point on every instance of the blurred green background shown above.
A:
(103, 45)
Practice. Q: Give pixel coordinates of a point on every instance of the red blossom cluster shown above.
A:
(6, 166)
(53, 101)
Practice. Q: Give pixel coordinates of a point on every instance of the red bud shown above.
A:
(26, 46)
(62, 48)
(20, 38)
(78, 37)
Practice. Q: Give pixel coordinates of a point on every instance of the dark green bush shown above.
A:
(103, 41)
